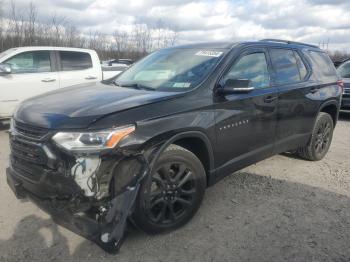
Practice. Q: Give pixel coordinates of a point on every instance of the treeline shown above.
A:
(338, 56)
(26, 28)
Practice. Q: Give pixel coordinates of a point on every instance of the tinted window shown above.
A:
(252, 67)
(322, 66)
(344, 70)
(30, 62)
(75, 60)
(301, 66)
(285, 65)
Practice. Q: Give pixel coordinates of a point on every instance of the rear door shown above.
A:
(246, 123)
(296, 106)
(76, 68)
(32, 74)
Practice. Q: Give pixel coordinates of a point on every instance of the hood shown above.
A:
(78, 106)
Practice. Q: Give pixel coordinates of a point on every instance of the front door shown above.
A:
(31, 75)
(246, 123)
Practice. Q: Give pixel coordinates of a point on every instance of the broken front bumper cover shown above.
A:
(108, 231)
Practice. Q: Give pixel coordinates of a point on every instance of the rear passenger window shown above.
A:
(301, 66)
(75, 60)
(285, 65)
(322, 66)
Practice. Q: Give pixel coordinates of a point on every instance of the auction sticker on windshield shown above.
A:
(182, 85)
(209, 53)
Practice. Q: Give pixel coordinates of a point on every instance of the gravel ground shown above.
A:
(281, 209)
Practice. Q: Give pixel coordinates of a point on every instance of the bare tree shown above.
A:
(121, 39)
(338, 56)
(163, 35)
(141, 35)
(25, 27)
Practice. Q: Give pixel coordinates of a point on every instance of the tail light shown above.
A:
(340, 83)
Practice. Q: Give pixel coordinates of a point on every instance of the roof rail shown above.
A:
(287, 42)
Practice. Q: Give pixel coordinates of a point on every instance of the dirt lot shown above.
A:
(281, 209)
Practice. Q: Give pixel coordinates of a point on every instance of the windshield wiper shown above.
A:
(135, 85)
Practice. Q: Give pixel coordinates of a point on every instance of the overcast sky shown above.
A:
(312, 21)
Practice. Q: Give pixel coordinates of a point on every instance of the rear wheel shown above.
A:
(174, 193)
(320, 140)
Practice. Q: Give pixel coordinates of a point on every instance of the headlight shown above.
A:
(85, 142)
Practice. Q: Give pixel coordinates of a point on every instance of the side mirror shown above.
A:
(5, 69)
(236, 86)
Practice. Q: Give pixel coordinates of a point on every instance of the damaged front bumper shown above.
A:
(91, 196)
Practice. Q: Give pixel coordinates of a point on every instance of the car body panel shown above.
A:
(92, 100)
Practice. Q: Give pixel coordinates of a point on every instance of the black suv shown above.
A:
(143, 147)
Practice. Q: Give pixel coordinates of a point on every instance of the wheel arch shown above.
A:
(196, 142)
(330, 107)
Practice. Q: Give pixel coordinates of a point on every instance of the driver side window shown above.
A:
(30, 62)
(252, 67)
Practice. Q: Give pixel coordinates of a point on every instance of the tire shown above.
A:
(174, 193)
(320, 140)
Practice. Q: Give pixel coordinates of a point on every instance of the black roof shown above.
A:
(265, 42)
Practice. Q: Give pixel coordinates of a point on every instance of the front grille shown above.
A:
(29, 152)
(27, 169)
(30, 131)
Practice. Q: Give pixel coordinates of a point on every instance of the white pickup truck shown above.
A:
(31, 71)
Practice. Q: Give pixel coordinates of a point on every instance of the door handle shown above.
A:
(90, 77)
(47, 80)
(270, 99)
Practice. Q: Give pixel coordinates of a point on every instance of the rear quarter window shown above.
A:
(322, 66)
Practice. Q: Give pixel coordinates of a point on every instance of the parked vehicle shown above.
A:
(112, 68)
(146, 146)
(119, 62)
(112, 71)
(337, 63)
(31, 71)
(344, 72)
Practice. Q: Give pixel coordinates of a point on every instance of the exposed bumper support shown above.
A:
(108, 230)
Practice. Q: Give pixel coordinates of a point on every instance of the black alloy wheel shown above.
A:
(173, 194)
(323, 137)
(320, 140)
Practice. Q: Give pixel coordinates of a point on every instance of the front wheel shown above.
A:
(173, 194)
(320, 140)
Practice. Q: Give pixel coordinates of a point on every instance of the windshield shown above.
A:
(171, 69)
(344, 70)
